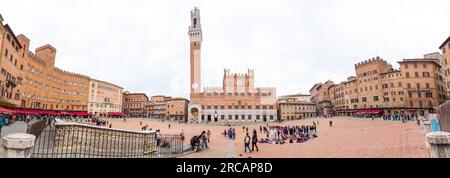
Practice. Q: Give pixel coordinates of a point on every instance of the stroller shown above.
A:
(165, 143)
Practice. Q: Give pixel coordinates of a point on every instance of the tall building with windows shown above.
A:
(31, 80)
(12, 55)
(157, 107)
(105, 99)
(135, 104)
(445, 48)
(48, 87)
(238, 100)
(177, 109)
(416, 88)
(298, 106)
(320, 96)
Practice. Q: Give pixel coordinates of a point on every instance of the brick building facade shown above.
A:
(416, 88)
(135, 105)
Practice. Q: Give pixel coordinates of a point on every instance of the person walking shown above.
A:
(205, 140)
(247, 143)
(169, 126)
(331, 123)
(255, 141)
(208, 135)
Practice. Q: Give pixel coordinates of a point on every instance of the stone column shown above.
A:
(18, 145)
(439, 144)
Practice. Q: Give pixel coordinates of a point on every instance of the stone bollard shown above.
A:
(18, 145)
(439, 144)
(427, 127)
(422, 120)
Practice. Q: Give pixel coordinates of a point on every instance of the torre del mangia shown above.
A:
(236, 101)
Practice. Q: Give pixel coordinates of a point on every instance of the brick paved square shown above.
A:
(348, 138)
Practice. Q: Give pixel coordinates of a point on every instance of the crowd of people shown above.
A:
(83, 120)
(291, 134)
(230, 134)
(274, 135)
(400, 117)
(10, 119)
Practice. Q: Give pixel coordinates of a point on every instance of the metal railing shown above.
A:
(72, 140)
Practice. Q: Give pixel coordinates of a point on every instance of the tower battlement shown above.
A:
(250, 73)
(372, 60)
(71, 73)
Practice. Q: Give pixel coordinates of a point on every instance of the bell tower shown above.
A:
(195, 36)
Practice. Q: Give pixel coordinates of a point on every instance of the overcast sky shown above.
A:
(143, 45)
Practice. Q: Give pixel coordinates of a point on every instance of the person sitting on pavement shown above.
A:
(195, 144)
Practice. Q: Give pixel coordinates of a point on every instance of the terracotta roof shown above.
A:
(107, 83)
(315, 86)
(421, 60)
(8, 28)
(394, 71)
(445, 42)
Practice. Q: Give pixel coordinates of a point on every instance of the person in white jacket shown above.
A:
(247, 141)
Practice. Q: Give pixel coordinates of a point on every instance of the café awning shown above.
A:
(345, 111)
(116, 114)
(78, 113)
(369, 112)
(6, 111)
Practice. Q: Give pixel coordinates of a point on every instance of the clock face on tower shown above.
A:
(194, 86)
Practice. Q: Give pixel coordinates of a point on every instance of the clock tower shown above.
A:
(195, 36)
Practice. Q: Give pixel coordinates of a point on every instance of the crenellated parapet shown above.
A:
(71, 73)
(372, 60)
(266, 89)
(228, 74)
(37, 59)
